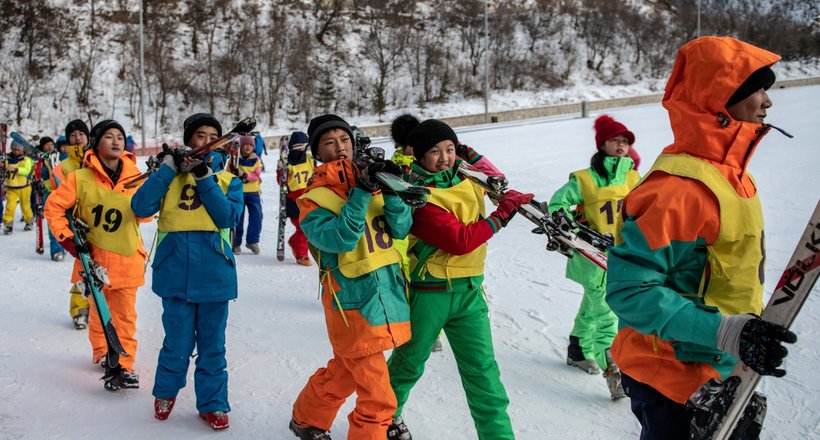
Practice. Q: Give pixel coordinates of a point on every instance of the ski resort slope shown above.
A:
(49, 389)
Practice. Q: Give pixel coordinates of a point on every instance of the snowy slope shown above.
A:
(276, 334)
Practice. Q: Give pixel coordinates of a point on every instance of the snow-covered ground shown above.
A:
(49, 388)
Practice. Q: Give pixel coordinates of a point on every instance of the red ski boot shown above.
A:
(217, 419)
(163, 407)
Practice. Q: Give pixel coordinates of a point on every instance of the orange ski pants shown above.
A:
(122, 304)
(329, 387)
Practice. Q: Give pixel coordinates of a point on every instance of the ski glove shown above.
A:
(168, 159)
(392, 168)
(509, 204)
(366, 179)
(467, 153)
(756, 342)
(71, 247)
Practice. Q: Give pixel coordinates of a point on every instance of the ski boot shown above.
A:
(308, 432)
(8, 228)
(436, 347)
(28, 227)
(81, 320)
(304, 261)
(398, 430)
(217, 419)
(163, 407)
(613, 378)
(237, 250)
(58, 256)
(119, 379)
(576, 358)
(254, 247)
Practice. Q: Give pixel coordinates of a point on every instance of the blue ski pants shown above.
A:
(253, 206)
(188, 326)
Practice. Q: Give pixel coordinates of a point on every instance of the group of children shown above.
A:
(394, 278)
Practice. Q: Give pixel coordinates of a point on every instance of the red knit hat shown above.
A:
(607, 128)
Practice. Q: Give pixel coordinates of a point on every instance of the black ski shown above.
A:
(282, 170)
(412, 195)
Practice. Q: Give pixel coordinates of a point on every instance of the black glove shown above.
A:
(393, 168)
(758, 343)
(200, 170)
(761, 346)
(366, 179)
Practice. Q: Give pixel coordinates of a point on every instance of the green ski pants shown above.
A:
(595, 325)
(462, 312)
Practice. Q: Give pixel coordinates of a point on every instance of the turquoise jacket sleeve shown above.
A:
(398, 216)
(566, 197)
(643, 288)
(146, 201)
(335, 234)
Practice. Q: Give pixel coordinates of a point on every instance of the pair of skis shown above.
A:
(563, 235)
(94, 278)
(37, 187)
(282, 174)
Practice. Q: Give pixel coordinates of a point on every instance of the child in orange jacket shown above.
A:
(97, 195)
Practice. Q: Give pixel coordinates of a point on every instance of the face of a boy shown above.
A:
(334, 144)
(48, 147)
(439, 158)
(77, 137)
(751, 109)
(202, 136)
(111, 145)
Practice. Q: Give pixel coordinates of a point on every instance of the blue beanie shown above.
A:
(297, 138)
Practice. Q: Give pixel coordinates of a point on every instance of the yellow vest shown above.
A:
(736, 258)
(182, 210)
(375, 248)
(602, 205)
(465, 201)
(16, 180)
(112, 225)
(251, 187)
(299, 174)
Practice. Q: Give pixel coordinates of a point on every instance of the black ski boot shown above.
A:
(576, 358)
(398, 430)
(308, 432)
(117, 379)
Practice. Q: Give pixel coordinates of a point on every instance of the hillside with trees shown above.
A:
(287, 60)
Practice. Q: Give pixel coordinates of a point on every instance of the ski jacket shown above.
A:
(351, 233)
(194, 260)
(252, 167)
(73, 161)
(18, 169)
(609, 192)
(401, 159)
(449, 233)
(114, 236)
(692, 232)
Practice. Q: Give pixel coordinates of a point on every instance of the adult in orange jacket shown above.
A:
(98, 196)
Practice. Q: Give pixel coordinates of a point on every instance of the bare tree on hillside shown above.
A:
(385, 43)
(327, 13)
(18, 90)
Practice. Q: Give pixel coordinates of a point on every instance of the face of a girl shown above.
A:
(439, 158)
(247, 149)
(111, 145)
(617, 146)
(334, 144)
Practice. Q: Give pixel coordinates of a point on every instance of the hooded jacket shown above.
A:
(124, 271)
(365, 314)
(658, 276)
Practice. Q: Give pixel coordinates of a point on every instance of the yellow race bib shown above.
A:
(113, 226)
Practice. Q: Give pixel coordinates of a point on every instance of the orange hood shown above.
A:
(129, 165)
(339, 176)
(707, 72)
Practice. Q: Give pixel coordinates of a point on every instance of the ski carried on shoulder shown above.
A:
(282, 174)
(229, 143)
(412, 195)
(563, 235)
(724, 410)
(94, 277)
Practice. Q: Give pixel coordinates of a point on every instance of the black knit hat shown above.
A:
(401, 127)
(320, 124)
(44, 140)
(197, 120)
(427, 134)
(762, 78)
(74, 125)
(100, 128)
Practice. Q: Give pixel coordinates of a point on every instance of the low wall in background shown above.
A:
(381, 130)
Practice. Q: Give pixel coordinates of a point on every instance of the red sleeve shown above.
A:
(444, 231)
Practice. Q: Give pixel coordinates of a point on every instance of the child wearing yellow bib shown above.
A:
(250, 173)
(597, 193)
(351, 228)
(98, 196)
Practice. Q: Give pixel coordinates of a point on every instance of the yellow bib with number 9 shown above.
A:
(182, 210)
